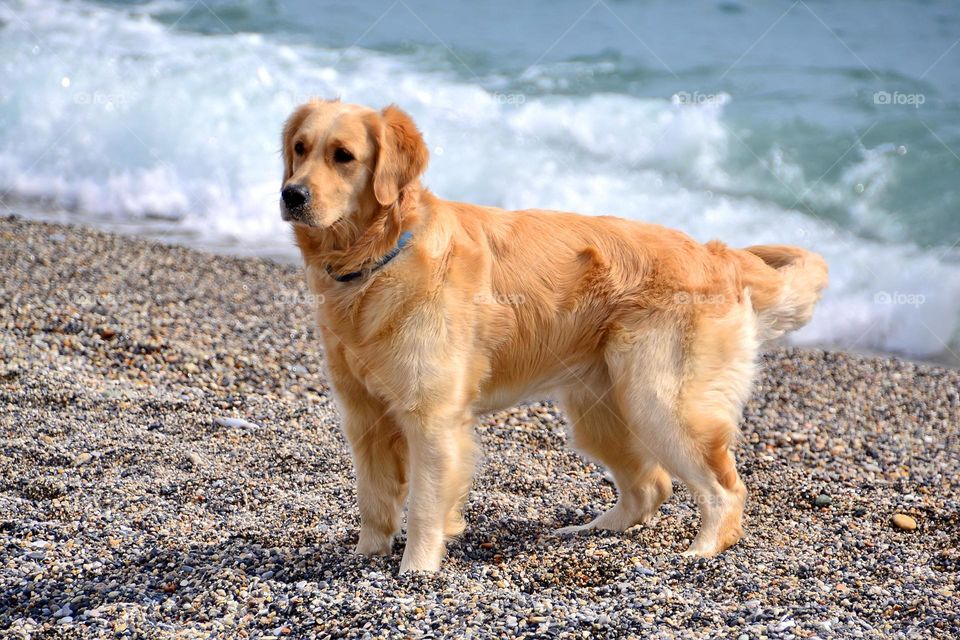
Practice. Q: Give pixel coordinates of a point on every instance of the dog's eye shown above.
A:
(341, 155)
(299, 148)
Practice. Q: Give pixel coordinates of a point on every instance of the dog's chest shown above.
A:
(408, 354)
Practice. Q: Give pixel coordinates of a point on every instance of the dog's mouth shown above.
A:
(296, 215)
(306, 216)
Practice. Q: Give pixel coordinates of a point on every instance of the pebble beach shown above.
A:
(171, 466)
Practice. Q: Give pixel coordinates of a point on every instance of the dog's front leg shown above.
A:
(379, 455)
(441, 464)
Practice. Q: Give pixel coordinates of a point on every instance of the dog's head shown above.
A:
(342, 160)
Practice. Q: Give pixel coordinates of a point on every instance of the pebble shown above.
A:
(823, 500)
(235, 423)
(260, 544)
(82, 459)
(903, 521)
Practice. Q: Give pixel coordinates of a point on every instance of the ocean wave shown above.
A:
(113, 113)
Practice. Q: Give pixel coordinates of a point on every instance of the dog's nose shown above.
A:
(295, 196)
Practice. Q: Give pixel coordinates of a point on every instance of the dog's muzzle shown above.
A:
(295, 198)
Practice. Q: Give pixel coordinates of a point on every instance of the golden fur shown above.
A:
(648, 337)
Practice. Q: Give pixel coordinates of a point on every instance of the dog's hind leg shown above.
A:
(600, 432)
(691, 389)
(720, 494)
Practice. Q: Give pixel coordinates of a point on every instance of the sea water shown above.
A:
(834, 126)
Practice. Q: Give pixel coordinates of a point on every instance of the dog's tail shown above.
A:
(785, 284)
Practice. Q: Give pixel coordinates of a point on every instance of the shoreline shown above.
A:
(276, 253)
(129, 504)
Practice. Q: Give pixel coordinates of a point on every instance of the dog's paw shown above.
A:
(419, 565)
(572, 530)
(374, 544)
(700, 549)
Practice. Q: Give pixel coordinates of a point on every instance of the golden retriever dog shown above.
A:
(436, 311)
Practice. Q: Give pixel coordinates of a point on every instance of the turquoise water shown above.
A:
(801, 77)
(830, 125)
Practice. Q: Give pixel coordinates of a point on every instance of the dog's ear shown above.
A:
(290, 128)
(402, 154)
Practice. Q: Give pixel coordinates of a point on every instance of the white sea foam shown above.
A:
(109, 112)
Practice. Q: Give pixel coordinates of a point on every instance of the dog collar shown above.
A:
(402, 241)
